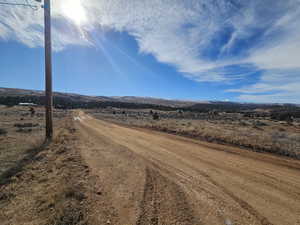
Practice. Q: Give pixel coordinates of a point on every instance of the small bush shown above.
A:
(23, 125)
(24, 130)
(259, 123)
(3, 131)
(155, 116)
(243, 123)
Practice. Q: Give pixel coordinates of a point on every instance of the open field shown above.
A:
(258, 133)
(20, 133)
(98, 172)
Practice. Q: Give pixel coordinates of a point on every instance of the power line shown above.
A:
(34, 7)
(26, 4)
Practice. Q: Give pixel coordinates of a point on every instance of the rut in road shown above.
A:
(160, 197)
(134, 192)
(150, 177)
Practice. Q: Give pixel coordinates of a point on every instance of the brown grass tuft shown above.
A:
(49, 186)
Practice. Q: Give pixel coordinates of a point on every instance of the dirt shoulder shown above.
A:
(50, 185)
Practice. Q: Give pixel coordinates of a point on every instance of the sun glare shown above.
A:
(74, 11)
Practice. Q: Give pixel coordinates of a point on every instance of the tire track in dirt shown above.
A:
(160, 197)
(243, 204)
(182, 182)
(161, 202)
(263, 220)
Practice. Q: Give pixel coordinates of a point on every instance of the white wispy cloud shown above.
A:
(280, 86)
(25, 25)
(285, 97)
(215, 41)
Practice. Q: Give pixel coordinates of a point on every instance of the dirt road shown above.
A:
(145, 177)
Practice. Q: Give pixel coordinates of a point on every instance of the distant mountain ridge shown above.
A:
(131, 101)
(85, 98)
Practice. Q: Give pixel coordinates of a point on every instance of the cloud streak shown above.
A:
(211, 41)
(279, 86)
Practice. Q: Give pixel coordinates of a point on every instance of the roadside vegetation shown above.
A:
(20, 132)
(256, 130)
(41, 183)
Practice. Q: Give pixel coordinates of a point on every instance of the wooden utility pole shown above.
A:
(48, 62)
(48, 70)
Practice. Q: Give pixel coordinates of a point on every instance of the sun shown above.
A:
(74, 10)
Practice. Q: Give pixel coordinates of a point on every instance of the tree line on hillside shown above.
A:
(277, 112)
(65, 103)
(232, 107)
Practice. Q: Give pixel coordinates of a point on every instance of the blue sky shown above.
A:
(200, 50)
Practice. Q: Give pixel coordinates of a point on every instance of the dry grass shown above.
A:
(21, 133)
(40, 183)
(50, 187)
(253, 137)
(17, 140)
(255, 134)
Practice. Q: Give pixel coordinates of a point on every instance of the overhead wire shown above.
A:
(34, 7)
(26, 4)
